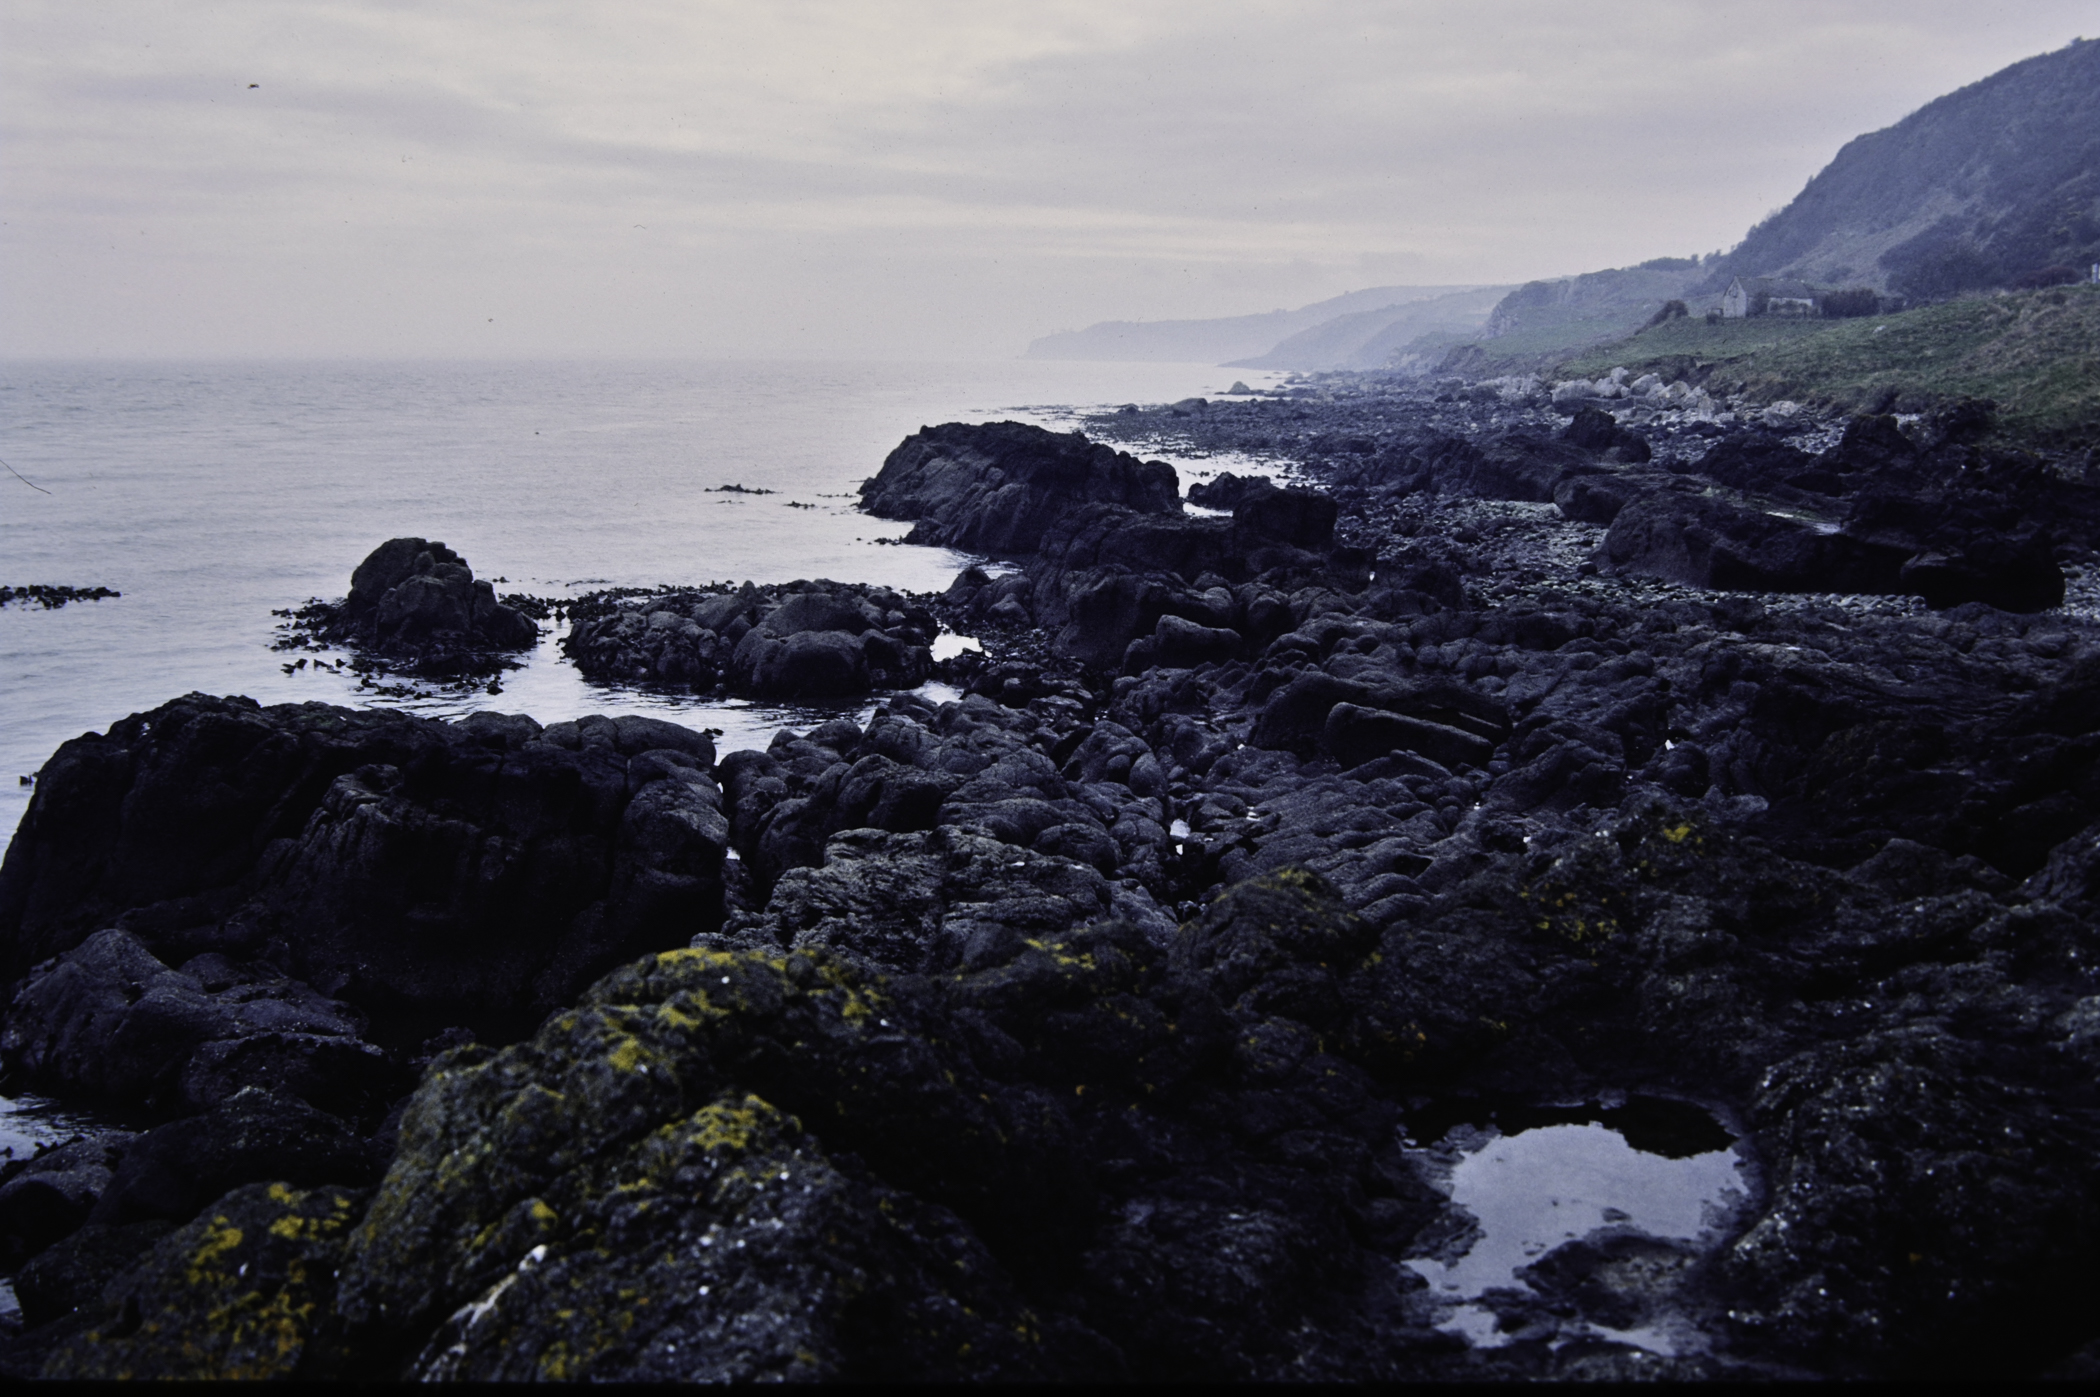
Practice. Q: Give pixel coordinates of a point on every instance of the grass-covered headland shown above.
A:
(2035, 353)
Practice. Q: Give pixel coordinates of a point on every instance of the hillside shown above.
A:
(1977, 189)
(1368, 339)
(1542, 322)
(2036, 354)
(1215, 341)
(1994, 186)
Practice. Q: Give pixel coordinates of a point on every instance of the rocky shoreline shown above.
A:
(1727, 781)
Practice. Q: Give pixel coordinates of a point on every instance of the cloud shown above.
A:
(914, 177)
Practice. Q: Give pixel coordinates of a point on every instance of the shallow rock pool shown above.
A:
(1561, 1227)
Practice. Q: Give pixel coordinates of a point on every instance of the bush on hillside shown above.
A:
(1671, 310)
(2058, 275)
(1930, 268)
(1851, 302)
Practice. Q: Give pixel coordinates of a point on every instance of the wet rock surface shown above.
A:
(415, 605)
(109, 1021)
(424, 873)
(999, 488)
(803, 641)
(1111, 1020)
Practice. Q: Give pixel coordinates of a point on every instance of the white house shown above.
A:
(1768, 296)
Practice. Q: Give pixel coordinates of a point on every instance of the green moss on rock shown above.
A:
(611, 1199)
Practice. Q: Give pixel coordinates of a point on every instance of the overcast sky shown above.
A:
(892, 178)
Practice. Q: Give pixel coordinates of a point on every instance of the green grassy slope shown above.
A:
(2036, 353)
(1542, 322)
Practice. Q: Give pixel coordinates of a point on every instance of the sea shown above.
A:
(213, 495)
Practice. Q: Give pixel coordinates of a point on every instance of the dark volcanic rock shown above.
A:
(999, 487)
(174, 1170)
(249, 1286)
(962, 1091)
(71, 1274)
(1225, 490)
(935, 901)
(1179, 643)
(806, 640)
(49, 1195)
(1710, 538)
(417, 602)
(1597, 498)
(1090, 792)
(761, 1256)
(2012, 574)
(428, 873)
(1594, 429)
(1358, 735)
(1111, 1027)
(109, 1021)
(1302, 518)
(1113, 553)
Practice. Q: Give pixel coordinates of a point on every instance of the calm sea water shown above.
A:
(209, 494)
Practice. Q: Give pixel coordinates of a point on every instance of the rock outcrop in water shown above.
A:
(1113, 561)
(416, 604)
(1099, 1024)
(1001, 487)
(806, 641)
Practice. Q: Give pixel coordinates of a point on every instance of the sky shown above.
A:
(899, 179)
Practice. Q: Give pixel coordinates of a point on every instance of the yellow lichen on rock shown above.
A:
(242, 1292)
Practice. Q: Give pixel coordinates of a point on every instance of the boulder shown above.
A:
(1301, 518)
(429, 873)
(999, 487)
(1597, 498)
(2011, 573)
(71, 1273)
(1176, 643)
(417, 601)
(1225, 491)
(727, 1132)
(1594, 429)
(806, 640)
(802, 665)
(1298, 717)
(1354, 735)
(48, 1196)
(109, 1021)
(1753, 462)
(1105, 610)
(174, 1170)
(930, 902)
(249, 1288)
(1714, 538)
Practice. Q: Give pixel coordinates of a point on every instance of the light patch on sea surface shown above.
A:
(1528, 1193)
